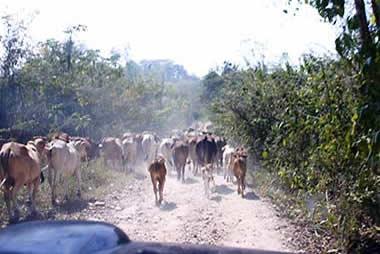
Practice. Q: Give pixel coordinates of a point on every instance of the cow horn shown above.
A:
(2, 182)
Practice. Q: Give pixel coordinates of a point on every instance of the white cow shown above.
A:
(227, 159)
(165, 149)
(150, 143)
(64, 160)
(130, 152)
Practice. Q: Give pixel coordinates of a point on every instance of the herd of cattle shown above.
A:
(61, 155)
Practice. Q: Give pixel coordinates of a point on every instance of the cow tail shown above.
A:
(4, 161)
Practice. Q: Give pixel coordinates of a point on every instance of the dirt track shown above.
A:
(187, 216)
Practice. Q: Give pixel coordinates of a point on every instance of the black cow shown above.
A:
(206, 151)
(220, 143)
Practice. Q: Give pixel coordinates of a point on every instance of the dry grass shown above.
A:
(96, 183)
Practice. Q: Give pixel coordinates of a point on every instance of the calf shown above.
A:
(157, 172)
(239, 167)
(207, 179)
(180, 153)
(19, 166)
(64, 160)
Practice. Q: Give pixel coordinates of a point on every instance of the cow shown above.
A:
(192, 142)
(227, 160)
(208, 178)
(180, 153)
(165, 149)
(205, 150)
(83, 148)
(239, 167)
(64, 160)
(61, 136)
(113, 151)
(20, 165)
(220, 143)
(87, 148)
(127, 135)
(157, 172)
(150, 143)
(130, 152)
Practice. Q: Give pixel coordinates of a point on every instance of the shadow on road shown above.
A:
(190, 181)
(216, 198)
(168, 206)
(223, 189)
(73, 206)
(251, 196)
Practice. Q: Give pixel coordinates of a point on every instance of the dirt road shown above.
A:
(187, 216)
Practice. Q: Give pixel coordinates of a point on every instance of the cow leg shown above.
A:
(66, 186)
(52, 176)
(29, 186)
(178, 173)
(238, 183)
(8, 202)
(14, 193)
(183, 173)
(154, 182)
(36, 184)
(242, 186)
(79, 179)
(206, 186)
(161, 184)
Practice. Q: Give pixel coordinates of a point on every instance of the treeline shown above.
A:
(62, 85)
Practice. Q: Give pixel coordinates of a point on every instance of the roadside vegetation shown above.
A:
(315, 128)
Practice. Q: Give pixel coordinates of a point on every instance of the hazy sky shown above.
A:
(199, 34)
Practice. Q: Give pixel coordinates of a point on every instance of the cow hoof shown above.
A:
(35, 215)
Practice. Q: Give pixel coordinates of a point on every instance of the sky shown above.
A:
(198, 34)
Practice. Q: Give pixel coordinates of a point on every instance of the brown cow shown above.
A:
(180, 153)
(113, 151)
(20, 165)
(239, 167)
(157, 172)
(192, 142)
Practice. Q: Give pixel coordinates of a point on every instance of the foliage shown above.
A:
(302, 122)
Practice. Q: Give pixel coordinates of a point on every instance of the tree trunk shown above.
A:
(364, 30)
(376, 11)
